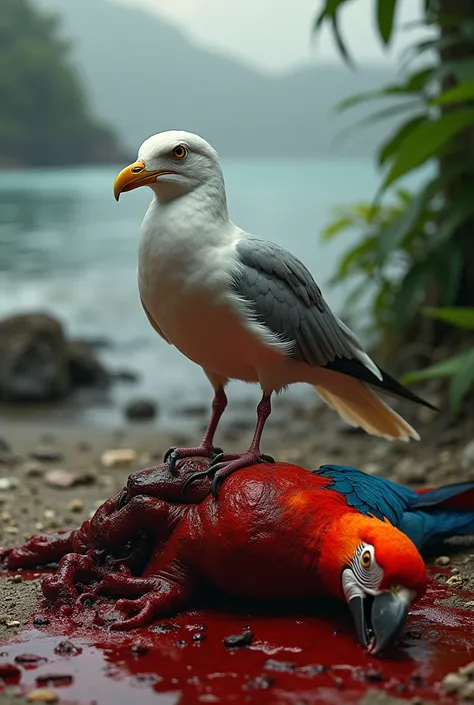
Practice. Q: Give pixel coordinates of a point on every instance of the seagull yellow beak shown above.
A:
(134, 176)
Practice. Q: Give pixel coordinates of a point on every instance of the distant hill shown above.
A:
(145, 76)
(45, 117)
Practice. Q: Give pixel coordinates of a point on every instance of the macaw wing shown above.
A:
(369, 494)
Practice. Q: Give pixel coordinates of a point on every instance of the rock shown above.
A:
(46, 454)
(60, 478)
(443, 561)
(34, 469)
(42, 695)
(8, 483)
(33, 359)
(453, 682)
(119, 456)
(67, 648)
(84, 368)
(235, 641)
(467, 693)
(467, 457)
(455, 581)
(12, 623)
(141, 409)
(75, 505)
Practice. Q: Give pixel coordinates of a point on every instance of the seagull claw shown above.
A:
(172, 460)
(215, 484)
(168, 453)
(197, 476)
(266, 458)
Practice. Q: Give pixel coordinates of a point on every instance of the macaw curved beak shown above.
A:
(136, 175)
(379, 619)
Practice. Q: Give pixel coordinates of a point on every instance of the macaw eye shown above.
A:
(179, 152)
(366, 559)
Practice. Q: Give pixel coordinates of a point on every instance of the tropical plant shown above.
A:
(417, 248)
(428, 233)
(458, 368)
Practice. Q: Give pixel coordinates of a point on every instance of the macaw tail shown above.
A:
(440, 513)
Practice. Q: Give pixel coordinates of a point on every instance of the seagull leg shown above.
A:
(205, 449)
(225, 464)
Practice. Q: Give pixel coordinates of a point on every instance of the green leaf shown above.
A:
(424, 141)
(335, 228)
(329, 13)
(391, 145)
(353, 259)
(385, 18)
(461, 383)
(446, 368)
(459, 316)
(391, 238)
(463, 69)
(410, 292)
(449, 265)
(458, 94)
(380, 115)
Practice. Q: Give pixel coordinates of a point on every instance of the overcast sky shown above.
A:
(275, 34)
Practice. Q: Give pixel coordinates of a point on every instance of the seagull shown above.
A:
(240, 306)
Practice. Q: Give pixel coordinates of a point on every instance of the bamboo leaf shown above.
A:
(385, 18)
(335, 228)
(459, 316)
(425, 140)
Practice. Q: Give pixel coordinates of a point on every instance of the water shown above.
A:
(66, 247)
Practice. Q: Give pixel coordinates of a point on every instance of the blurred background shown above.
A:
(373, 193)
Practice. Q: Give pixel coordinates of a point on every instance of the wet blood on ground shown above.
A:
(298, 654)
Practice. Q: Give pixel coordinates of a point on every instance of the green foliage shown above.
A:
(44, 116)
(418, 248)
(458, 368)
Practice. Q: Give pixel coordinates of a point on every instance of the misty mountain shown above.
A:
(145, 76)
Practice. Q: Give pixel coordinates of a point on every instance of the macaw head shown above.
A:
(379, 572)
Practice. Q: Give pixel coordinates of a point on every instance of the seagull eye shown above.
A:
(366, 559)
(179, 152)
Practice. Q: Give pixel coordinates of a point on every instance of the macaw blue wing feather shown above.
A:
(369, 494)
(426, 517)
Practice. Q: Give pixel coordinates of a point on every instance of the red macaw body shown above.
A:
(276, 531)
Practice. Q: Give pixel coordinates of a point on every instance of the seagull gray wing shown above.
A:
(283, 295)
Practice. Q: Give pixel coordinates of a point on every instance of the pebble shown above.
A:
(8, 483)
(467, 693)
(75, 505)
(12, 530)
(12, 623)
(16, 579)
(34, 469)
(49, 514)
(42, 695)
(467, 670)
(237, 640)
(141, 409)
(455, 581)
(4, 618)
(47, 455)
(119, 456)
(467, 456)
(453, 682)
(443, 561)
(60, 478)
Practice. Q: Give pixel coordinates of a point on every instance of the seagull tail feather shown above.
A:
(360, 406)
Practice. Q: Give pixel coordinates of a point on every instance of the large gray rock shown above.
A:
(38, 364)
(34, 364)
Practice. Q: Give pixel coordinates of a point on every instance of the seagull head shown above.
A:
(173, 164)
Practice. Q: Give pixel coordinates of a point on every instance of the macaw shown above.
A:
(281, 532)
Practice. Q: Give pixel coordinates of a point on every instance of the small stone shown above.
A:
(12, 530)
(467, 670)
(279, 666)
(29, 659)
(4, 618)
(141, 409)
(75, 505)
(372, 468)
(46, 455)
(34, 469)
(261, 682)
(16, 579)
(8, 483)
(455, 581)
(469, 603)
(42, 695)
(443, 561)
(39, 526)
(40, 621)
(49, 514)
(467, 457)
(453, 682)
(12, 623)
(467, 693)
(198, 637)
(117, 457)
(139, 650)
(235, 641)
(67, 648)
(60, 479)
(58, 679)
(374, 675)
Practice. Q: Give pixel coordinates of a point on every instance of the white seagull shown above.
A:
(240, 306)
